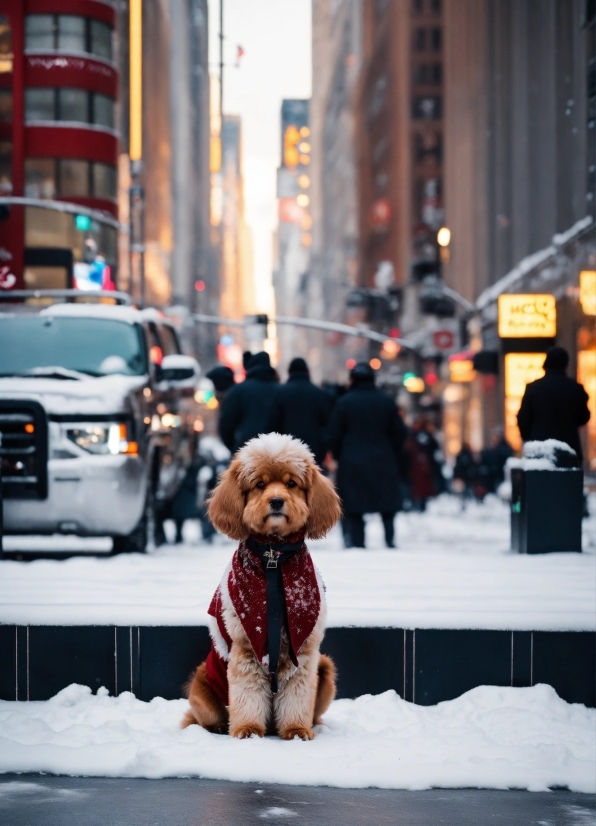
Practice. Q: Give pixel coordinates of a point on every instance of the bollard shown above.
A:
(546, 499)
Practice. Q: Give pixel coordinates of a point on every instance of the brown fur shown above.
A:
(269, 467)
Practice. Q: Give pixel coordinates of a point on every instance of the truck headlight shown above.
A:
(105, 439)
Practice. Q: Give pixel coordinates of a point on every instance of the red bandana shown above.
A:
(247, 588)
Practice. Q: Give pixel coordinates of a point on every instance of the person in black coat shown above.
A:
(302, 409)
(366, 434)
(246, 407)
(555, 406)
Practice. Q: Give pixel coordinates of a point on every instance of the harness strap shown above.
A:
(273, 554)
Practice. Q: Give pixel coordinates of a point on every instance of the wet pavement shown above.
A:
(33, 800)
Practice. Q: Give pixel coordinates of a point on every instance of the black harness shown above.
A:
(273, 554)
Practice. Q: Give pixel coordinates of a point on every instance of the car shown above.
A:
(98, 422)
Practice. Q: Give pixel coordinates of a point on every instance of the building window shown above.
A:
(73, 177)
(428, 74)
(436, 40)
(40, 178)
(5, 168)
(39, 31)
(419, 40)
(6, 54)
(68, 33)
(73, 105)
(5, 106)
(49, 178)
(65, 104)
(428, 146)
(417, 7)
(427, 107)
(104, 181)
(103, 110)
(435, 6)
(71, 33)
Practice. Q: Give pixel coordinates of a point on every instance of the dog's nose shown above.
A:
(277, 503)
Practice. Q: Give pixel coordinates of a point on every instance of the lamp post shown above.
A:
(136, 191)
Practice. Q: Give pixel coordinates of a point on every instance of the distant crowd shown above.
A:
(379, 464)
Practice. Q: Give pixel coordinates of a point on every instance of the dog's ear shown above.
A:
(323, 503)
(226, 504)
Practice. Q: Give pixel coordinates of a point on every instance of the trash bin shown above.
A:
(546, 499)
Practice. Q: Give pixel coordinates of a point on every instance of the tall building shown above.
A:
(293, 238)
(520, 186)
(336, 58)
(58, 143)
(237, 284)
(65, 147)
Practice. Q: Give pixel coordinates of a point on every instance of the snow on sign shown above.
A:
(527, 316)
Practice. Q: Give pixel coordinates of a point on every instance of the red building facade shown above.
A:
(58, 143)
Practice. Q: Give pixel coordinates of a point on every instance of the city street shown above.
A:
(65, 801)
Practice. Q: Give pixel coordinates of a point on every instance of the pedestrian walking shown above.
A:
(366, 435)
(245, 410)
(555, 406)
(491, 468)
(465, 473)
(424, 470)
(302, 410)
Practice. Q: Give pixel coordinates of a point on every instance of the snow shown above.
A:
(524, 738)
(93, 396)
(452, 569)
(129, 315)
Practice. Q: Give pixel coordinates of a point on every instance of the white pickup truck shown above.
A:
(97, 419)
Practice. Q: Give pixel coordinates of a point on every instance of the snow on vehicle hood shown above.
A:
(107, 394)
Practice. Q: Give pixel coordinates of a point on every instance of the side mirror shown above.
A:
(181, 371)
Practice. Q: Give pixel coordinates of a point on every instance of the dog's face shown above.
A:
(273, 486)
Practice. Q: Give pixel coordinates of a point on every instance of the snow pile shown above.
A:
(549, 454)
(525, 738)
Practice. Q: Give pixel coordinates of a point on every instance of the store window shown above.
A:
(73, 177)
(66, 104)
(68, 33)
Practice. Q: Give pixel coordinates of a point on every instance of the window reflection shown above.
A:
(68, 33)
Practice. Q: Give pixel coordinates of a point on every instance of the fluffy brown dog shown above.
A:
(264, 673)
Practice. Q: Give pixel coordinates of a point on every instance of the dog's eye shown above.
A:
(260, 485)
(291, 484)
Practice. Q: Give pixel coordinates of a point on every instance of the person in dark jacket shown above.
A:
(424, 469)
(555, 406)
(366, 435)
(302, 410)
(491, 468)
(246, 407)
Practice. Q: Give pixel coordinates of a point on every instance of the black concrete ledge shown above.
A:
(425, 666)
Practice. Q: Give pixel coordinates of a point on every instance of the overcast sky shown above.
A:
(276, 37)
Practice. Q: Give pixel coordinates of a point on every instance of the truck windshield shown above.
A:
(98, 347)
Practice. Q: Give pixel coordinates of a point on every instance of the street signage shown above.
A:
(520, 370)
(587, 291)
(527, 316)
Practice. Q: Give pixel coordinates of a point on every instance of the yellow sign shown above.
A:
(135, 24)
(587, 291)
(462, 370)
(527, 316)
(520, 370)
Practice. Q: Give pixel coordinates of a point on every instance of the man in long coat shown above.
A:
(555, 406)
(366, 434)
(302, 409)
(246, 407)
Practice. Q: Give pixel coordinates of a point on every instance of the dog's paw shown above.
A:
(297, 731)
(242, 732)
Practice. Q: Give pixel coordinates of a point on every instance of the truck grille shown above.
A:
(23, 450)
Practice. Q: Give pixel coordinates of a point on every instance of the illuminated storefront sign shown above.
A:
(461, 370)
(520, 370)
(587, 291)
(527, 316)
